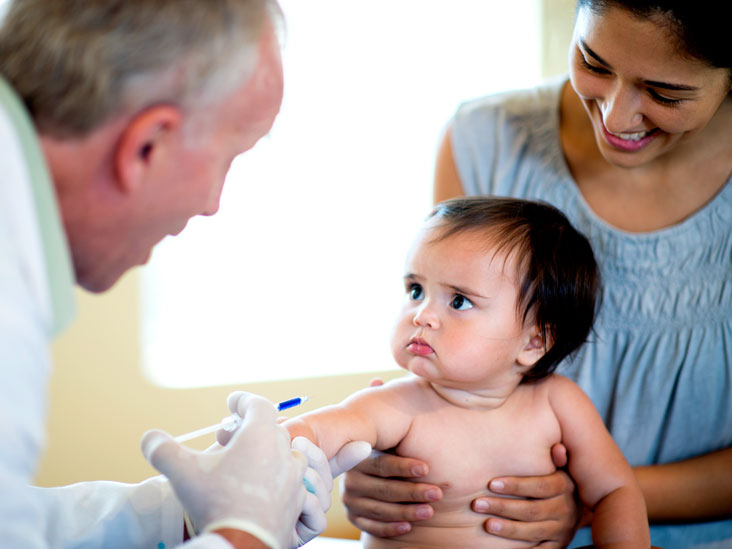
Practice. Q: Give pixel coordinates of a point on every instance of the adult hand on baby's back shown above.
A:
(547, 512)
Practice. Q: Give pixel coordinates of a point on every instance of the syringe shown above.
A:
(233, 421)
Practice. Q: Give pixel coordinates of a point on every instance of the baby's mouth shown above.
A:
(420, 347)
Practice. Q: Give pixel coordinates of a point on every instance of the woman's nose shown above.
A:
(426, 317)
(621, 109)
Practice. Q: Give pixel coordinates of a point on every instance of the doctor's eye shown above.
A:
(461, 303)
(415, 292)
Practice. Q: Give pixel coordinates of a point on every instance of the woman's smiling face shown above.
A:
(644, 97)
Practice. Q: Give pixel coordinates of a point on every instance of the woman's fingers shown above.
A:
(522, 510)
(540, 532)
(385, 507)
(390, 465)
(380, 529)
(549, 486)
(546, 510)
(358, 485)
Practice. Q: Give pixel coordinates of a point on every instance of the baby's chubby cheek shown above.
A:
(399, 343)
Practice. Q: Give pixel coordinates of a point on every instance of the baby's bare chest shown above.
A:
(467, 448)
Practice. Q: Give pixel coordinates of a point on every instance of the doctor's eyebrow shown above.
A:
(653, 83)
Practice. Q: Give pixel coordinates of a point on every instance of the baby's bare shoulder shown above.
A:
(402, 393)
(556, 383)
(550, 389)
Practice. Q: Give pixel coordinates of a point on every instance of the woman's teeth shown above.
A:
(635, 136)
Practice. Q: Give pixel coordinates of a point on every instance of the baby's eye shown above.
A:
(461, 303)
(415, 292)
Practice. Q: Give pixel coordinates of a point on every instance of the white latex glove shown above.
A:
(319, 482)
(254, 484)
(318, 477)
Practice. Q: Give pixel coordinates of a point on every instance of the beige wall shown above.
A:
(100, 404)
(557, 24)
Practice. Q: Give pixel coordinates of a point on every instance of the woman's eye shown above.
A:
(662, 99)
(415, 292)
(461, 303)
(593, 68)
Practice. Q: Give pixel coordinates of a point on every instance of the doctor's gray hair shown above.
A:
(78, 63)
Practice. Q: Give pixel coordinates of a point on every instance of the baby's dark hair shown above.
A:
(558, 277)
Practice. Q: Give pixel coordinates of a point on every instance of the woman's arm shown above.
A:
(692, 490)
(697, 489)
(447, 182)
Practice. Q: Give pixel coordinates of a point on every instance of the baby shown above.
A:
(498, 292)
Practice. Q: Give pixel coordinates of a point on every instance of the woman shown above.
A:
(636, 149)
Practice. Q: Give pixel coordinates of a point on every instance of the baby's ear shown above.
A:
(535, 348)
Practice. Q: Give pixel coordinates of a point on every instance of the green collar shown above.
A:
(55, 247)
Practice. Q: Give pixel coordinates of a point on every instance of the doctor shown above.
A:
(118, 122)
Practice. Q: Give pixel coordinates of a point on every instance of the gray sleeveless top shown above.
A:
(659, 364)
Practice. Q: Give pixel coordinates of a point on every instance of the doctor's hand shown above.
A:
(545, 511)
(254, 484)
(318, 477)
(319, 481)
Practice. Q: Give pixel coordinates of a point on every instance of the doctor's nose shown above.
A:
(213, 203)
(426, 317)
(211, 210)
(621, 109)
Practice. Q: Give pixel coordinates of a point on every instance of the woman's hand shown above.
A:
(547, 514)
(382, 501)
(380, 498)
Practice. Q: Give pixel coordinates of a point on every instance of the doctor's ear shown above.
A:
(536, 347)
(145, 142)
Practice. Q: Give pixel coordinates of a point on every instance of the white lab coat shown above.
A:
(92, 514)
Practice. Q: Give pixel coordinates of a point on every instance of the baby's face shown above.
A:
(459, 324)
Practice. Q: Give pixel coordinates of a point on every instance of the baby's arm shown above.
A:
(377, 415)
(604, 478)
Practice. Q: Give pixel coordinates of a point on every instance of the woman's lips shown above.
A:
(419, 347)
(630, 141)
